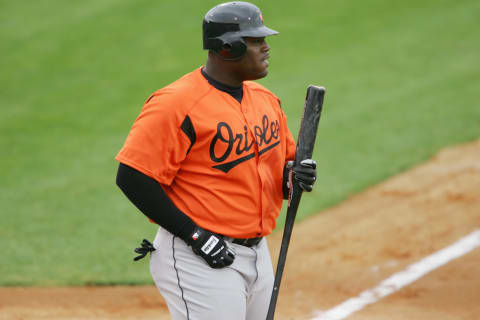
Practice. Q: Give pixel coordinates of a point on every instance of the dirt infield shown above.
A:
(336, 255)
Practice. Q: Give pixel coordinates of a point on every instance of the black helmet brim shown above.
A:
(258, 32)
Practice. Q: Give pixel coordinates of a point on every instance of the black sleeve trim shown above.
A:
(189, 130)
(279, 103)
(150, 198)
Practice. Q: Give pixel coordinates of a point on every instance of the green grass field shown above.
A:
(402, 79)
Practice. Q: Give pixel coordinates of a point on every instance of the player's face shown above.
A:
(254, 64)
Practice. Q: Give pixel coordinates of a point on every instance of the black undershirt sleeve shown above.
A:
(150, 198)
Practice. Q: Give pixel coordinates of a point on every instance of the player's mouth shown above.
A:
(265, 59)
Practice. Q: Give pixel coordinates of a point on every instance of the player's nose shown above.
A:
(265, 47)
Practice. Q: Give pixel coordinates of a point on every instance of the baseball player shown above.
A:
(208, 160)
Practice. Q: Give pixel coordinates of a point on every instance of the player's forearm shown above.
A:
(150, 198)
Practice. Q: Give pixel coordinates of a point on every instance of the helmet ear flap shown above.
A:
(233, 50)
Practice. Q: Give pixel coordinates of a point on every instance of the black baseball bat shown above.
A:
(305, 144)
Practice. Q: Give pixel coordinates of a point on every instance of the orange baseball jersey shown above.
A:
(219, 161)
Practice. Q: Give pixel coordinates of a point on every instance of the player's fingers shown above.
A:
(228, 262)
(305, 187)
(309, 163)
(305, 170)
(219, 263)
(305, 178)
(227, 259)
(231, 253)
(216, 263)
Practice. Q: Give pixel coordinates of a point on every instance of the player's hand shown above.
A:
(306, 174)
(211, 247)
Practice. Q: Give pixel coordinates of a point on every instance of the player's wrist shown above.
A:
(196, 236)
(186, 231)
(199, 237)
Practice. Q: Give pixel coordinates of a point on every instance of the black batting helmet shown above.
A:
(225, 25)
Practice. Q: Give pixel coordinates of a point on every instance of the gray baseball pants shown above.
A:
(195, 291)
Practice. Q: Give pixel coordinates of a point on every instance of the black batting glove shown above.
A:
(211, 247)
(306, 174)
(145, 248)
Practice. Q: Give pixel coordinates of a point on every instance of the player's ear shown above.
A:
(232, 48)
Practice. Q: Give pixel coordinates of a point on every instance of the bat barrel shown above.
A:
(311, 118)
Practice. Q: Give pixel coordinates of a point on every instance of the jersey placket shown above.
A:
(249, 115)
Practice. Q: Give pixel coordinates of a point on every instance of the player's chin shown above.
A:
(258, 72)
(264, 66)
(262, 71)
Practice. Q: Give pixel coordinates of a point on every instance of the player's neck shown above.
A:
(221, 73)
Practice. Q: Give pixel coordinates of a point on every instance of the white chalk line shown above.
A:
(402, 278)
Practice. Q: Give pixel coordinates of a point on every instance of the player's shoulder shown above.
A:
(182, 92)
